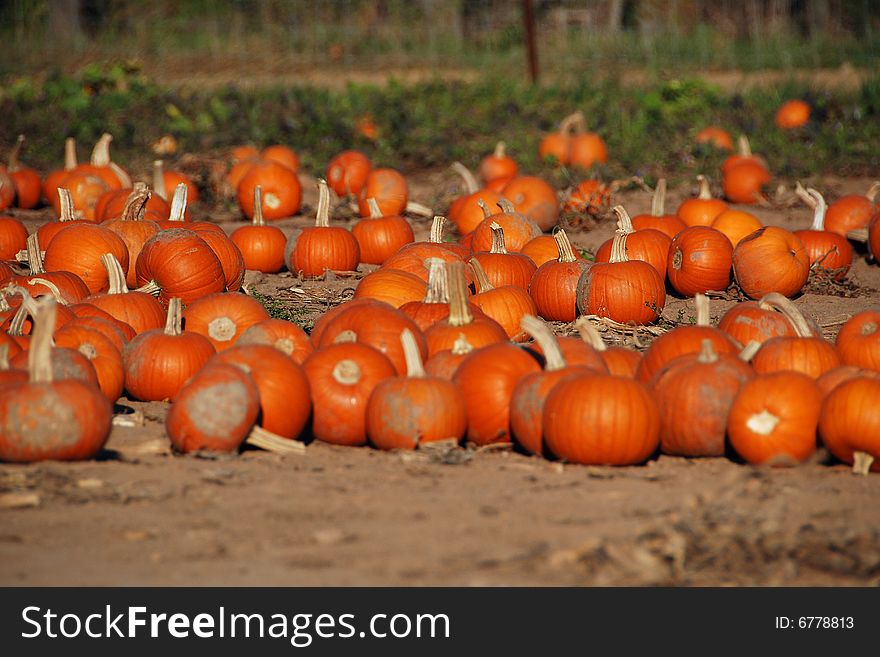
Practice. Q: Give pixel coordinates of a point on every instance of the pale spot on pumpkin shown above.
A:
(88, 350)
(763, 423)
(347, 372)
(284, 345)
(221, 329)
(271, 201)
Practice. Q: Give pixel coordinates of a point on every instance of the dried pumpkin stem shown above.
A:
(618, 248)
(745, 148)
(14, 165)
(178, 203)
(272, 442)
(437, 291)
(115, 274)
(658, 202)
(461, 346)
(485, 208)
(101, 151)
(459, 312)
(152, 288)
(70, 154)
(414, 366)
(481, 278)
(862, 462)
(802, 194)
(322, 216)
(506, 206)
(437, 226)
(34, 255)
(701, 304)
(159, 178)
(707, 352)
(4, 357)
(40, 351)
(775, 301)
(573, 122)
(705, 193)
(748, 352)
(49, 285)
(375, 210)
(500, 150)
(497, 239)
(68, 213)
(563, 246)
(258, 206)
(873, 190)
(589, 334)
(174, 318)
(543, 335)
(136, 203)
(819, 211)
(418, 209)
(624, 221)
(470, 182)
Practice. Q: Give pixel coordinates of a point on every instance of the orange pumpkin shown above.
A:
(498, 166)
(828, 252)
(658, 219)
(849, 424)
(179, 263)
(554, 284)
(858, 341)
(771, 260)
(379, 237)
(534, 198)
(13, 237)
(699, 260)
(703, 210)
(261, 246)
(137, 309)
(133, 229)
(852, 212)
(715, 137)
(78, 249)
(792, 114)
(506, 304)
(223, 317)
(588, 197)
(648, 245)
(392, 286)
(286, 337)
(280, 188)
(736, 225)
(503, 268)
(104, 356)
(758, 321)
(390, 190)
(25, 180)
(347, 173)
(281, 154)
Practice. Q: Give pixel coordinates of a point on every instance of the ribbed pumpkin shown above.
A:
(390, 190)
(554, 284)
(280, 188)
(701, 211)
(13, 237)
(736, 224)
(45, 418)
(518, 229)
(849, 424)
(829, 252)
(406, 411)
(133, 229)
(543, 249)
(743, 155)
(852, 212)
(444, 364)
(323, 321)
(773, 418)
(487, 378)
(139, 310)
(588, 197)
(223, 317)
(159, 362)
(193, 422)
(498, 166)
(342, 377)
(758, 321)
(841, 374)
(627, 291)
(231, 260)
(858, 341)
(347, 173)
(595, 419)
(771, 260)
(104, 356)
(25, 180)
(110, 328)
(699, 260)
(648, 245)
(658, 219)
(694, 395)
(535, 198)
(479, 330)
(286, 337)
(504, 268)
(322, 247)
(619, 361)
(285, 397)
(468, 210)
(506, 304)
(112, 204)
(78, 249)
(392, 286)
(743, 183)
(261, 246)
(179, 263)
(379, 237)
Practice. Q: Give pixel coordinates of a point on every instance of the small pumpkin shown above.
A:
(534, 198)
(347, 173)
(658, 219)
(379, 237)
(829, 252)
(648, 245)
(506, 304)
(554, 284)
(498, 166)
(469, 209)
(261, 246)
(701, 211)
(13, 237)
(502, 267)
(139, 310)
(771, 260)
(792, 114)
(444, 364)
(25, 180)
(736, 225)
(223, 317)
(53, 179)
(858, 341)
(852, 212)
(518, 228)
(132, 227)
(286, 337)
(758, 321)
(179, 263)
(78, 249)
(104, 356)
(390, 190)
(281, 192)
(700, 259)
(281, 154)
(849, 424)
(716, 137)
(619, 361)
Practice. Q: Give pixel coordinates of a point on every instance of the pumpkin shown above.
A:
(792, 114)
(743, 183)
(479, 330)
(193, 422)
(139, 310)
(506, 304)
(658, 219)
(412, 257)
(758, 321)
(435, 305)
(627, 291)
(596, 419)
(285, 393)
(322, 247)
(849, 424)
(102, 164)
(239, 170)
(179, 263)
(164, 180)
(281, 192)
(342, 377)
(261, 246)
(771, 260)
(536, 199)
(700, 258)
(486, 378)
(286, 337)
(7, 189)
(231, 260)
(404, 412)
(133, 229)
(619, 361)
(841, 374)
(112, 204)
(518, 229)
(85, 189)
(444, 364)
(829, 252)
(556, 146)
(587, 149)
(773, 418)
(554, 284)
(347, 173)
(805, 353)
(684, 340)
(106, 326)
(588, 197)
(648, 245)
(25, 180)
(334, 311)
(78, 249)
(13, 237)
(468, 210)
(45, 418)
(379, 237)
(66, 286)
(858, 341)
(392, 286)
(852, 212)
(281, 154)
(498, 166)
(104, 356)
(703, 210)
(160, 361)
(243, 152)
(715, 137)
(67, 218)
(694, 395)
(744, 155)
(736, 225)
(503, 268)
(390, 190)
(223, 317)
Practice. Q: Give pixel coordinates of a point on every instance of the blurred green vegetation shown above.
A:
(648, 129)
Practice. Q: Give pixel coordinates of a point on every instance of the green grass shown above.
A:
(278, 309)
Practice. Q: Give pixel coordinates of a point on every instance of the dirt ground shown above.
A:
(442, 516)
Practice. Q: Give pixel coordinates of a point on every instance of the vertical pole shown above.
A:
(531, 46)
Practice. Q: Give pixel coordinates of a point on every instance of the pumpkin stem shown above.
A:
(701, 303)
(258, 206)
(497, 239)
(115, 274)
(101, 151)
(322, 216)
(159, 179)
(136, 203)
(14, 165)
(506, 206)
(748, 352)
(69, 154)
(375, 210)
(68, 213)
(543, 335)
(500, 149)
(485, 208)
(459, 312)
(53, 289)
(461, 346)
(775, 301)
(745, 148)
(272, 442)
(347, 372)
(437, 292)
(573, 122)
(589, 334)
(40, 350)
(658, 202)
(174, 320)
(4, 357)
(707, 352)
(862, 462)
(178, 203)
(34, 255)
(618, 248)
(437, 225)
(418, 209)
(16, 324)
(803, 195)
(414, 366)
(470, 182)
(705, 193)
(624, 221)
(563, 246)
(4, 304)
(152, 288)
(819, 210)
(481, 278)
(873, 190)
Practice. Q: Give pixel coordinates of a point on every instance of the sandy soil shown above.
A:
(349, 516)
